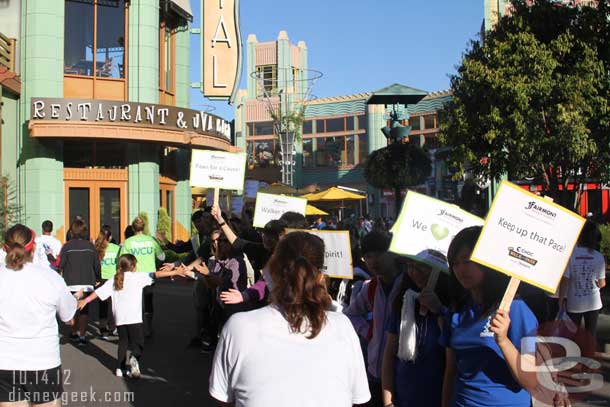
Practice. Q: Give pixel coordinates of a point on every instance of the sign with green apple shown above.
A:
(428, 223)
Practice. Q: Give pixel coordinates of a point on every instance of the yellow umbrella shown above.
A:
(198, 191)
(278, 189)
(312, 210)
(334, 194)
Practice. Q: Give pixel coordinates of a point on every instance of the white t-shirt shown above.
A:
(260, 363)
(30, 299)
(127, 302)
(40, 256)
(583, 269)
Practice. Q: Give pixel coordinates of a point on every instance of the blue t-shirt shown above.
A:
(483, 378)
(420, 382)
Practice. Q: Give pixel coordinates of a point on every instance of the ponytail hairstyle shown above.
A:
(125, 263)
(19, 246)
(299, 288)
(102, 241)
(138, 224)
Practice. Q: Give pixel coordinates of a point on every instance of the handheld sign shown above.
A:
(426, 223)
(528, 238)
(337, 252)
(218, 169)
(270, 207)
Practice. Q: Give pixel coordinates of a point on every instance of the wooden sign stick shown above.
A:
(216, 196)
(513, 286)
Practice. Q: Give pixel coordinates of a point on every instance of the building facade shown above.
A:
(100, 127)
(338, 133)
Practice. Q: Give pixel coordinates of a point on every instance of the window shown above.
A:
(430, 121)
(432, 141)
(362, 122)
(307, 153)
(167, 63)
(263, 128)
(349, 121)
(94, 40)
(350, 150)
(307, 127)
(414, 122)
(363, 147)
(262, 153)
(335, 125)
(95, 154)
(267, 79)
(330, 151)
(320, 128)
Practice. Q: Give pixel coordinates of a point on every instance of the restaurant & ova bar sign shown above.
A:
(218, 169)
(428, 223)
(528, 237)
(270, 207)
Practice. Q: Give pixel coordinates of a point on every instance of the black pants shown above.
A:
(552, 308)
(590, 318)
(148, 299)
(131, 336)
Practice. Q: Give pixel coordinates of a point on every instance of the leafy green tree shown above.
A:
(144, 216)
(397, 166)
(164, 224)
(9, 212)
(531, 101)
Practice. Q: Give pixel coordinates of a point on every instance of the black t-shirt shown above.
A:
(79, 263)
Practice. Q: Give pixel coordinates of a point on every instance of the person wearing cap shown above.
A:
(370, 311)
(413, 361)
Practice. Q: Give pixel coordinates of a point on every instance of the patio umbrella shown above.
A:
(333, 194)
(312, 210)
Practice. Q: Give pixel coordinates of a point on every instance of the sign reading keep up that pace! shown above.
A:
(427, 223)
(337, 252)
(528, 237)
(218, 169)
(270, 207)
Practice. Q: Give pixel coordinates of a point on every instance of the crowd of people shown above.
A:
(423, 330)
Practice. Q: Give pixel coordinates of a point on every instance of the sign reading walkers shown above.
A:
(337, 252)
(527, 237)
(217, 169)
(270, 207)
(428, 223)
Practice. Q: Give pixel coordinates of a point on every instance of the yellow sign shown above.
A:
(220, 49)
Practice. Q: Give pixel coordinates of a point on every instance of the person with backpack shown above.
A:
(371, 310)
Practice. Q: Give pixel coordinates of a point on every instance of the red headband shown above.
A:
(30, 245)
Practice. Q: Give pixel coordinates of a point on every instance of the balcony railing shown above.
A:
(7, 52)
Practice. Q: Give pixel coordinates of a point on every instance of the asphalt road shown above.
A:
(172, 374)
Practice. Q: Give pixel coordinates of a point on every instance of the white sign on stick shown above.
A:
(218, 169)
(528, 237)
(428, 223)
(337, 252)
(270, 207)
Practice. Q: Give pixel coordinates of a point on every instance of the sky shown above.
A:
(359, 45)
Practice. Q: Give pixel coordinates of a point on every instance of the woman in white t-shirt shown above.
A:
(294, 352)
(125, 288)
(584, 276)
(30, 299)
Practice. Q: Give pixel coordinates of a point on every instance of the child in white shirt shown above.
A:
(125, 288)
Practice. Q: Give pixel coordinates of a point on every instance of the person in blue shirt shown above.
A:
(413, 360)
(483, 344)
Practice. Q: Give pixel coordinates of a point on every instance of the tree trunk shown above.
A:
(397, 201)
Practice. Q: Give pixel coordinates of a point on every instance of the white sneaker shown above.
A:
(119, 373)
(134, 367)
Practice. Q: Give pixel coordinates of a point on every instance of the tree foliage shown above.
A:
(397, 166)
(532, 100)
(9, 212)
(164, 224)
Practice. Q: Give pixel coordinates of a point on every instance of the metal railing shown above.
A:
(7, 52)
